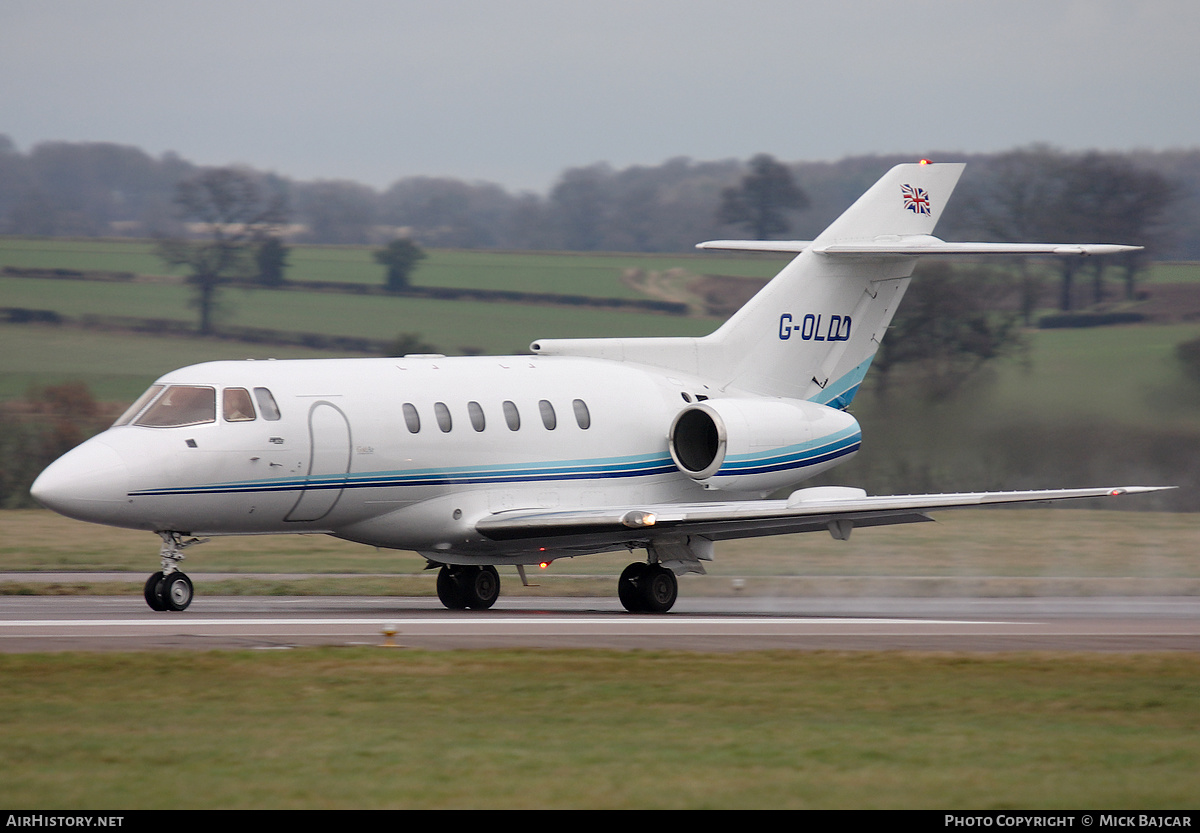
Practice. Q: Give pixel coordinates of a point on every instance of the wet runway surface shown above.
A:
(92, 623)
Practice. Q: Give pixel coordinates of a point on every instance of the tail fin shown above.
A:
(812, 332)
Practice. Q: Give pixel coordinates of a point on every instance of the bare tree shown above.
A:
(1043, 195)
(763, 199)
(952, 322)
(234, 213)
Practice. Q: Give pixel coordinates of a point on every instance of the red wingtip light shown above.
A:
(925, 162)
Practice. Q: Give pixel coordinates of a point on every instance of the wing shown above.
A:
(833, 508)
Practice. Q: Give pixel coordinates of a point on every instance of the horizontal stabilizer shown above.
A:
(785, 246)
(807, 510)
(921, 245)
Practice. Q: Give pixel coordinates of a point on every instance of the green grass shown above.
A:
(452, 326)
(103, 255)
(1126, 374)
(1171, 273)
(370, 728)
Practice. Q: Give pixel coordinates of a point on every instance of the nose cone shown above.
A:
(90, 483)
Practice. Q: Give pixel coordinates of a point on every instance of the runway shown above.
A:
(94, 623)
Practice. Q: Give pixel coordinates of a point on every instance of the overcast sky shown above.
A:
(514, 91)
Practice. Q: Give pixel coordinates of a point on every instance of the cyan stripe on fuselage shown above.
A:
(796, 456)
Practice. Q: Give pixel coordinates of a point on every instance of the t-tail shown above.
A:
(812, 332)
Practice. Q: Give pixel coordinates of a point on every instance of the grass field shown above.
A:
(369, 728)
(454, 327)
(595, 274)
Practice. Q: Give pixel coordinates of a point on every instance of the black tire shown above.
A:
(176, 591)
(449, 590)
(629, 587)
(480, 586)
(659, 589)
(151, 592)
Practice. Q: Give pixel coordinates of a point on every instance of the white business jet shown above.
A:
(585, 446)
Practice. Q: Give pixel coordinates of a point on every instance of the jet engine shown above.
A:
(759, 445)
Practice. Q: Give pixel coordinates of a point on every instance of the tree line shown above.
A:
(103, 189)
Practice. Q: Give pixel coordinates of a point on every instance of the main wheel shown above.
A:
(629, 584)
(449, 589)
(151, 594)
(176, 591)
(659, 589)
(480, 586)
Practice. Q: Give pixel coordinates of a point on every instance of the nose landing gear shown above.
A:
(168, 592)
(170, 588)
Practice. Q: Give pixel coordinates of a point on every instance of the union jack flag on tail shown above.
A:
(916, 200)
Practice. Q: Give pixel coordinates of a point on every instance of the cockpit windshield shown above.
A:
(136, 407)
(181, 405)
(197, 404)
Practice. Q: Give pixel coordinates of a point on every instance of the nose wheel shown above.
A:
(168, 592)
(170, 588)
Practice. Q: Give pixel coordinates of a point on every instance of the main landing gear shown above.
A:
(642, 588)
(468, 586)
(647, 588)
(170, 588)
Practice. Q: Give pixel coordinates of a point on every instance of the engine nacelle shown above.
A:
(760, 445)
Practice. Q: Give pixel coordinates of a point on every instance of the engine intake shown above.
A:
(759, 445)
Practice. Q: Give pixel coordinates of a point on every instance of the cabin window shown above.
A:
(582, 416)
(547, 412)
(512, 416)
(443, 417)
(266, 404)
(475, 411)
(411, 418)
(136, 407)
(236, 405)
(181, 405)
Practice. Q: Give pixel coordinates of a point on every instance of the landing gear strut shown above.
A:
(647, 588)
(170, 588)
(469, 586)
